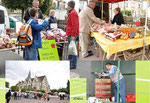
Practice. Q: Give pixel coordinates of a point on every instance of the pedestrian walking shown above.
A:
(8, 96)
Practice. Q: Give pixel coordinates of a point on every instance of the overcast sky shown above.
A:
(58, 73)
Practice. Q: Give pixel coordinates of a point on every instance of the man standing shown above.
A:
(86, 19)
(72, 30)
(113, 74)
(36, 6)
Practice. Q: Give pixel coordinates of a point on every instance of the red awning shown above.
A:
(112, 1)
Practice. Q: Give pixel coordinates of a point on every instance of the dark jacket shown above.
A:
(27, 15)
(52, 20)
(36, 29)
(118, 19)
(8, 95)
(72, 24)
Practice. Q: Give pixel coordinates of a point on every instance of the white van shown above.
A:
(4, 20)
(17, 23)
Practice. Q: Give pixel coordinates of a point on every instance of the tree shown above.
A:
(46, 6)
(63, 90)
(68, 87)
(14, 88)
(54, 90)
(22, 5)
(43, 91)
(23, 90)
(17, 4)
(7, 84)
(127, 12)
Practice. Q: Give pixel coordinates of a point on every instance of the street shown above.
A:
(52, 100)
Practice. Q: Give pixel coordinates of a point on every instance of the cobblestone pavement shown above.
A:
(52, 100)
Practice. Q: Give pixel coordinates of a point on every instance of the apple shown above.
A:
(115, 33)
(126, 37)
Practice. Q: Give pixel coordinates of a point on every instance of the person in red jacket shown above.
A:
(72, 30)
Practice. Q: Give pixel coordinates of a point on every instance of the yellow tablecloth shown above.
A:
(119, 45)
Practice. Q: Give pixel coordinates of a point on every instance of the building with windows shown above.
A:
(36, 83)
(134, 5)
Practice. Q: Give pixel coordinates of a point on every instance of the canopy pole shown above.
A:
(144, 56)
(124, 7)
(102, 9)
(111, 11)
(118, 85)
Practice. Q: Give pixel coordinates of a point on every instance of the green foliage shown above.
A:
(22, 5)
(17, 4)
(54, 90)
(14, 88)
(23, 90)
(63, 90)
(126, 12)
(43, 91)
(7, 84)
(46, 6)
(68, 87)
(66, 90)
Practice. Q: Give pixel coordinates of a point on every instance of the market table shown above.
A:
(119, 45)
(11, 49)
(64, 44)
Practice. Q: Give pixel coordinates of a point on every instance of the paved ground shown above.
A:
(52, 100)
(94, 57)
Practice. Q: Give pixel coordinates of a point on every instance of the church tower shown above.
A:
(29, 75)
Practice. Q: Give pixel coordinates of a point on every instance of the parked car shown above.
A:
(15, 23)
(61, 93)
(4, 21)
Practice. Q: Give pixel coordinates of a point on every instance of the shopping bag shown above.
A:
(72, 49)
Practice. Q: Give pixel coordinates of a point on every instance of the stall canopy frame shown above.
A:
(115, 1)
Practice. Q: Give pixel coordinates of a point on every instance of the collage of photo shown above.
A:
(74, 51)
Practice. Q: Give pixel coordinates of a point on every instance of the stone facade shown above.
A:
(134, 5)
(36, 83)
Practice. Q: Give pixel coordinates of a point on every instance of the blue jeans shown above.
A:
(95, 42)
(122, 93)
(31, 53)
(72, 58)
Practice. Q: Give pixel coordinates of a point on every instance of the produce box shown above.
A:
(129, 19)
(135, 55)
(113, 37)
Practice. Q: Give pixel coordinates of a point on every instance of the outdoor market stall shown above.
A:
(8, 44)
(61, 40)
(131, 39)
(119, 41)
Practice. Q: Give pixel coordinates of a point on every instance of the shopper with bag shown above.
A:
(86, 19)
(31, 52)
(72, 32)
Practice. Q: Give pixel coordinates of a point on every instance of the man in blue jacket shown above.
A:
(31, 52)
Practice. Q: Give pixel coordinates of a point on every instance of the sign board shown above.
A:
(78, 90)
(142, 81)
(60, 14)
(54, 25)
(2, 90)
(48, 50)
